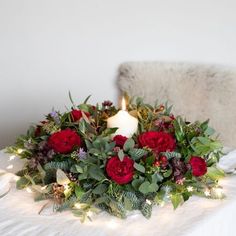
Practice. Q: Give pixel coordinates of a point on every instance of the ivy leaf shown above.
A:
(139, 167)
(62, 178)
(129, 144)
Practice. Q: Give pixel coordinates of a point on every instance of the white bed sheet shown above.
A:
(197, 217)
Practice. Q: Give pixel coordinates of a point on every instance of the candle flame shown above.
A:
(123, 104)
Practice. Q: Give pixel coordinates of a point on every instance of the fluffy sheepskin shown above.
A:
(198, 92)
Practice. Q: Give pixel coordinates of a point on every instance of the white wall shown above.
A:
(48, 47)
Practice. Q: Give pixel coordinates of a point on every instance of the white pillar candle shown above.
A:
(127, 125)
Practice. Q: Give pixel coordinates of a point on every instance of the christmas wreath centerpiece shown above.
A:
(93, 158)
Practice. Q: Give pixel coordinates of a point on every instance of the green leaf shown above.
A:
(209, 131)
(204, 140)
(167, 173)
(214, 173)
(121, 155)
(100, 189)
(83, 176)
(82, 126)
(109, 131)
(150, 160)
(78, 191)
(137, 153)
(109, 147)
(139, 167)
(129, 144)
(96, 173)
(136, 183)
(22, 183)
(62, 178)
(72, 102)
(156, 178)
(176, 200)
(79, 169)
(86, 99)
(146, 187)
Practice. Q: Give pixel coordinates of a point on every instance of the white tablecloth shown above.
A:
(197, 217)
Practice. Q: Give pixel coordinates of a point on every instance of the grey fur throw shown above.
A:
(197, 91)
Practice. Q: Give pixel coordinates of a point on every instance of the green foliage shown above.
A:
(146, 210)
(147, 187)
(137, 153)
(129, 144)
(139, 167)
(176, 200)
(117, 209)
(171, 155)
(63, 165)
(131, 201)
(22, 183)
(96, 173)
(80, 176)
(215, 173)
(100, 189)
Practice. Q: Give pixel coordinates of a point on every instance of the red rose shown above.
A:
(198, 166)
(77, 114)
(120, 172)
(120, 140)
(157, 141)
(64, 141)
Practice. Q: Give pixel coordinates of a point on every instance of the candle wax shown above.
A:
(127, 125)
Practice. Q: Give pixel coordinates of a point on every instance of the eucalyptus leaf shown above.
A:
(139, 167)
(121, 155)
(136, 183)
(147, 187)
(129, 144)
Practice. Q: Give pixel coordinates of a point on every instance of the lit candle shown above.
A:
(127, 125)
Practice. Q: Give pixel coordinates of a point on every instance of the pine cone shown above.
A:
(58, 193)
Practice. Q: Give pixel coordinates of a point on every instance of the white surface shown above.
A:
(48, 47)
(198, 216)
